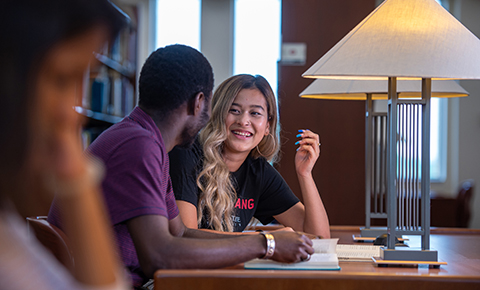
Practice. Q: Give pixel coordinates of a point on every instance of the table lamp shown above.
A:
(405, 39)
(375, 130)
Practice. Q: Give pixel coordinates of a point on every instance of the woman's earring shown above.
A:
(273, 139)
(274, 144)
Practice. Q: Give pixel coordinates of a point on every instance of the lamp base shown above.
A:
(384, 263)
(408, 254)
(372, 232)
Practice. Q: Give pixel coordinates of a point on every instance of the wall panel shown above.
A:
(340, 172)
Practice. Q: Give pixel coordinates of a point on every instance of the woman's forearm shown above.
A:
(315, 217)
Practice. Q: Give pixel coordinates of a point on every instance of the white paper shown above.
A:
(325, 245)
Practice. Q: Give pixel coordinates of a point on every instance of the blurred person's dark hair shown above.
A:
(30, 28)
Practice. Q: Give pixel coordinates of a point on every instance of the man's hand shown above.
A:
(291, 247)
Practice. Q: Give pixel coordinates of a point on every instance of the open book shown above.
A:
(324, 258)
(358, 253)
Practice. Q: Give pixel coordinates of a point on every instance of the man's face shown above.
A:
(190, 132)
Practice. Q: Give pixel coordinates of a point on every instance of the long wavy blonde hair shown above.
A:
(218, 196)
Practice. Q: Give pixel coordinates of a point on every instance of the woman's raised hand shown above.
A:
(307, 152)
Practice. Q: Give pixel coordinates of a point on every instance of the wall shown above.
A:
(464, 122)
(339, 173)
(217, 37)
(469, 117)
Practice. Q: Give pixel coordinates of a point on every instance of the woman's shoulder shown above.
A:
(193, 151)
(185, 158)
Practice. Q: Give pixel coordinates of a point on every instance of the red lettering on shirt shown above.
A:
(245, 203)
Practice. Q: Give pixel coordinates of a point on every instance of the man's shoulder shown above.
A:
(126, 127)
(123, 132)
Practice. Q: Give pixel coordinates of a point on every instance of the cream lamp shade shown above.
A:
(358, 89)
(404, 39)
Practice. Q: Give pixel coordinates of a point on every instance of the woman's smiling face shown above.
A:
(246, 122)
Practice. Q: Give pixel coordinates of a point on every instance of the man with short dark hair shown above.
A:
(175, 87)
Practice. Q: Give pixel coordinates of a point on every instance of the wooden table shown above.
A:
(460, 248)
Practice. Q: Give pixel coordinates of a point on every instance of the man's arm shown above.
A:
(161, 244)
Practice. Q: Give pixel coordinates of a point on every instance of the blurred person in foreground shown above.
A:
(46, 48)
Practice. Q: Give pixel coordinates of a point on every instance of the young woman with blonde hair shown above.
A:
(226, 177)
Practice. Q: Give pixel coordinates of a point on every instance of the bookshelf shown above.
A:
(111, 88)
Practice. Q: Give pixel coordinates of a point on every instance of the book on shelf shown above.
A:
(100, 92)
(113, 84)
(128, 100)
(116, 94)
(324, 258)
